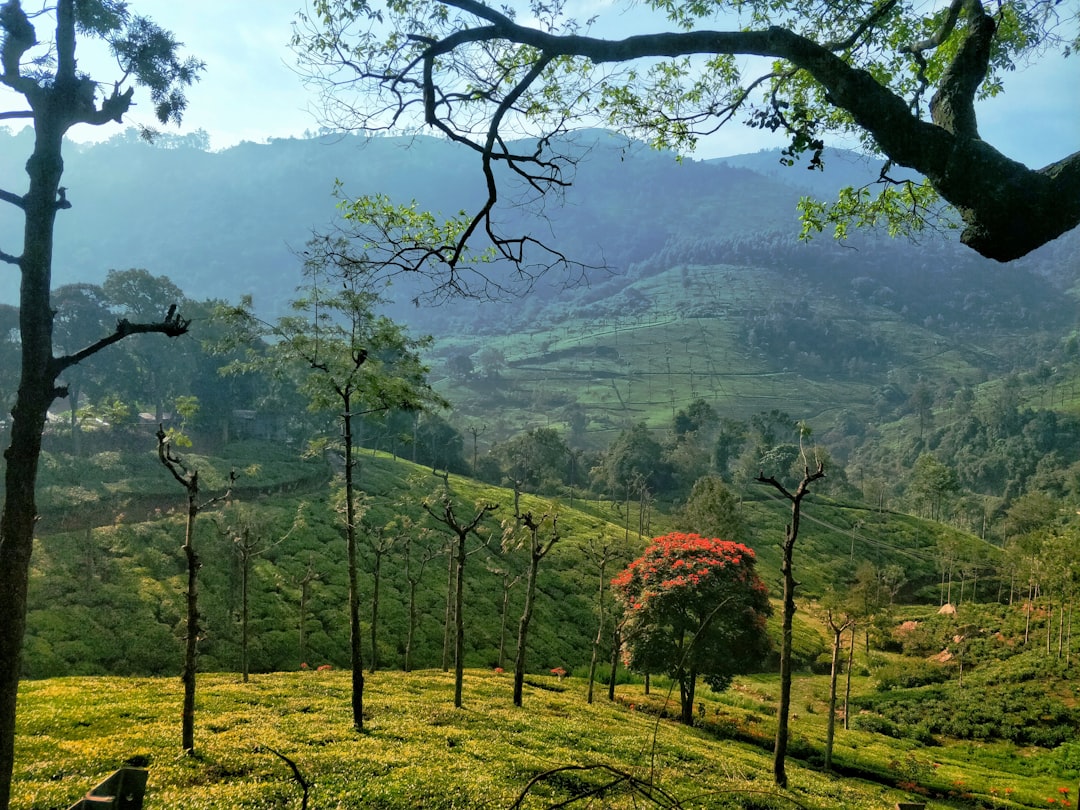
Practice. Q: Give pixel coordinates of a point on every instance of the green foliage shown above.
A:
(1013, 701)
(694, 606)
(712, 511)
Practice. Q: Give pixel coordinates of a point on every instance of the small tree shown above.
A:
(838, 622)
(600, 552)
(711, 510)
(695, 606)
(417, 557)
(189, 480)
(539, 547)
(442, 509)
(251, 540)
(351, 361)
(791, 534)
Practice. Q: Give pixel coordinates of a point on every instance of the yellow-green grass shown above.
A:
(417, 751)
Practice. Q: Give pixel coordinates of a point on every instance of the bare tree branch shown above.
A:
(172, 326)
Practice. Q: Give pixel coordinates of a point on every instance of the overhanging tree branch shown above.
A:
(172, 326)
(471, 71)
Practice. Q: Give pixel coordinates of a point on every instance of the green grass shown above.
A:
(418, 751)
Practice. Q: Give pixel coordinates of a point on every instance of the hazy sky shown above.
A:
(251, 92)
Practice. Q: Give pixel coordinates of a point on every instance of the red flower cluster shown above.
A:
(690, 557)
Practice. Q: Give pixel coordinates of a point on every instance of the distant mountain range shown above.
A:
(222, 224)
(708, 248)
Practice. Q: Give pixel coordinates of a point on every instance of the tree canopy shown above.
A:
(903, 77)
(696, 607)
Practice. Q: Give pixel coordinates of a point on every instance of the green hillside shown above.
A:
(101, 589)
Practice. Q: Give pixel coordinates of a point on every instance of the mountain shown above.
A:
(700, 287)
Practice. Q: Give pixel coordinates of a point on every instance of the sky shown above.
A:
(251, 91)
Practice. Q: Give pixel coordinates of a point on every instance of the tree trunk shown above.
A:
(356, 660)
(459, 619)
(412, 626)
(791, 535)
(830, 731)
(35, 394)
(616, 645)
(847, 686)
(375, 612)
(784, 708)
(523, 625)
(687, 688)
(191, 638)
(599, 633)
(245, 568)
(449, 617)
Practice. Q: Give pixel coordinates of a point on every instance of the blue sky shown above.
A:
(251, 92)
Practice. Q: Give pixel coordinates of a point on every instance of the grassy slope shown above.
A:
(684, 343)
(420, 752)
(98, 592)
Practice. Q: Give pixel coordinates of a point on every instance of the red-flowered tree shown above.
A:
(695, 606)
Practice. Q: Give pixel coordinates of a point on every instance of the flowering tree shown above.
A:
(695, 606)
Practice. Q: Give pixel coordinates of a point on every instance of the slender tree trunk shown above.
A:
(616, 645)
(1049, 622)
(459, 620)
(599, 632)
(1027, 619)
(449, 617)
(412, 625)
(834, 672)
(847, 686)
(191, 638)
(791, 535)
(502, 623)
(1061, 628)
(375, 612)
(784, 707)
(356, 660)
(523, 626)
(245, 567)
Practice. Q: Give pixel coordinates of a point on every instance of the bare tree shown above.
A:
(600, 551)
(837, 626)
(189, 480)
(791, 534)
(442, 509)
(414, 572)
(538, 549)
(304, 583)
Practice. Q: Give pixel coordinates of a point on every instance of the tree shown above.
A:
(696, 606)
(791, 534)
(250, 538)
(599, 552)
(58, 97)
(417, 557)
(838, 622)
(147, 372)
(711, 510)
(442, 509)
(351, 361)
(189, 480)
(931, 482)
(902, 76)
(382, 540)
(539, 547)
